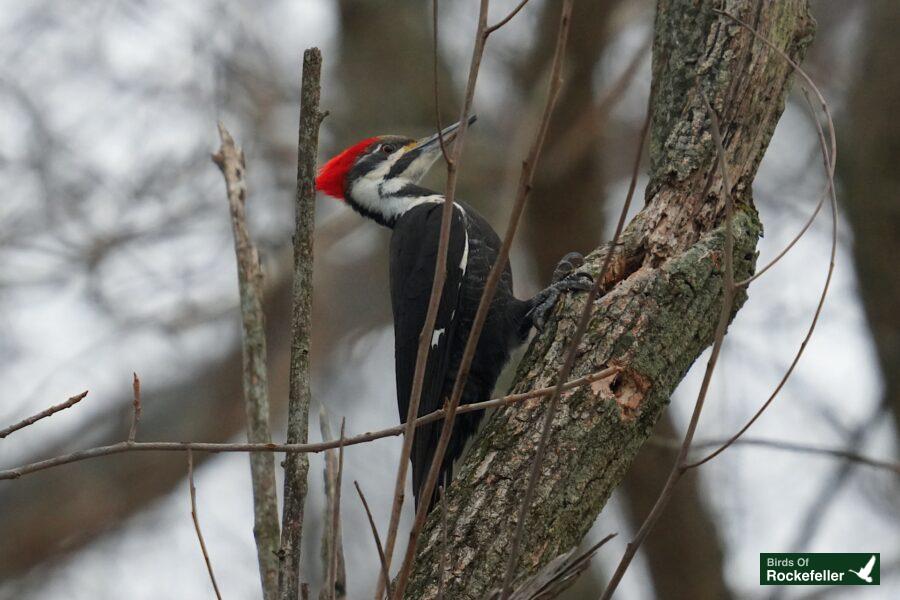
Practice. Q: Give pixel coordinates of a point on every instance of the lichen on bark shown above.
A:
(657, 316)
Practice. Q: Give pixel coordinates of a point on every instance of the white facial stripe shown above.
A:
(436, 337)
(377, 195)
(392, 186)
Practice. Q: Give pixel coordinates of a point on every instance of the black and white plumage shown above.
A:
(378, 178)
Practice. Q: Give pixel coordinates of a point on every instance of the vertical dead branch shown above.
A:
(230, 160)
(335, 576)
(193, 491)
(296, 466)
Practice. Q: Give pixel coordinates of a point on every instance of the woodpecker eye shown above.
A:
(388, 148)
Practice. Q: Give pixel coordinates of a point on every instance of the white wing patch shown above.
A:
(436, 337)
(465, 255)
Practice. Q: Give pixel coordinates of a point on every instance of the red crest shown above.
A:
(332, 177)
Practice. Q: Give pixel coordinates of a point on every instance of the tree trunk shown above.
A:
(871, 185)
(658, 315)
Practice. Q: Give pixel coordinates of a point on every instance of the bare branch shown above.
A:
(43, 414)
(136, 407)
(296, 466)
(193, 490)
(507, 18)
(437, 102)
(337, 550)
(230, 160)
(332, 547)
(789, 446)
(577, 139)
(123, 447)
(335, 579)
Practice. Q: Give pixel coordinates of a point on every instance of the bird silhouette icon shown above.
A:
(866, 572)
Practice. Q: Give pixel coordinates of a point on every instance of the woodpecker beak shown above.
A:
(433, 141)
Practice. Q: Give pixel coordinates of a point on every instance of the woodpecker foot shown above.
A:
(546, 299)
(565, 267)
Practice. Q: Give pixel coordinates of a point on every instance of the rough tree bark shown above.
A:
(660, 309)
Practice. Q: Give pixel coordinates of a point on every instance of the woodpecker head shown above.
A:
(378, 176)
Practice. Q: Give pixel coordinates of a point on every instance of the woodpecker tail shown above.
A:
(424, 446)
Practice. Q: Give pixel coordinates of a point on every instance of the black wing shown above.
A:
(414, 247)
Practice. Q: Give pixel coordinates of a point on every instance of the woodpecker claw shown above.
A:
(545, 300)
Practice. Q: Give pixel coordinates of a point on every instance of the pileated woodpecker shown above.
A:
(378, 177)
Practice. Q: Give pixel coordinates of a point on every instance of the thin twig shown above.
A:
(556, 576)
(580, 330)
(43, 414)
(506, 19)
(584, 129)
(437, 289)
(569, 362)
(524, 188)
(327, 532)
(728, 292)
(296, 466)
(378, 546)
(136, 407)
(193, 491)
(230, 159)
(123, 447)
(437, 102)
(822, 197)
(789, 446)
(487, 296)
